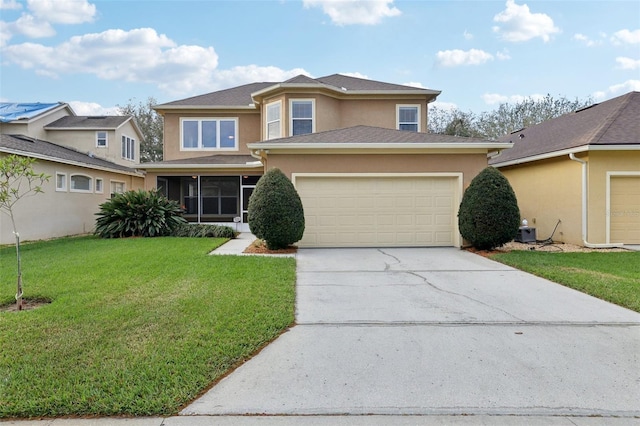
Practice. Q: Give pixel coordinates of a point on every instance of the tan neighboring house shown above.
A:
(88, 159)
(356, 150)
(582, 169)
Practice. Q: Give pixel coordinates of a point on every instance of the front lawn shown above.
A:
(137, 326)
(614, 277)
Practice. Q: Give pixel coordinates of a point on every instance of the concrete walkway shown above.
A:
(429, 337)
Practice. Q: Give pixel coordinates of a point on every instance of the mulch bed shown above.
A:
(259, 247)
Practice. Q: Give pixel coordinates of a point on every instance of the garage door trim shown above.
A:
(611, 175)
(457, 196)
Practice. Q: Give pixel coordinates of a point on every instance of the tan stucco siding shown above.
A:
(379, 113)
(468, 164)
(548, 191)
(249, 130)
(60, 213)
(599, 164)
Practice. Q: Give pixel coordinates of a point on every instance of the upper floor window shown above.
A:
(101, 139)
(128, 148)
(209, 133)
(302, 113)
(408, 117)
(81, 183)
(274, 113)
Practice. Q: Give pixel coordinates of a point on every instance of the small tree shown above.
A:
(275, 211)
(17, 181)
(489, 215)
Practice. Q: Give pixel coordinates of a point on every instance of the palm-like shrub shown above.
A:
(275, 211)
(138, 214)
(489, 215)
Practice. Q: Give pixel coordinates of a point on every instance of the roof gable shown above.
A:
(613, 122)
(25, 111)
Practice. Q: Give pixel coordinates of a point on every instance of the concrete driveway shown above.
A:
(433, 332)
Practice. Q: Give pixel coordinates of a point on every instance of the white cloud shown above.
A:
(626, 37)
(10, 5)
(617, 89)
(92, 108)
(467, 35)
(627, 63)
(503, 55)
(445, 106)
(62, 11)
(495, 98)
(414, 84)
(457, 57)
(349, 12)
(355, 74)
(586, 40)
(517, 23)
(31, 27)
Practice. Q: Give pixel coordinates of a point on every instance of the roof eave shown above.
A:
(379, 145)
(562, 153)
(165, 107)
(167, 167)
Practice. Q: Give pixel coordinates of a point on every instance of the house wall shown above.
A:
(469, 164)
(33, 128)
(56, 213)
(599, 163)
(548, 191)
(249, 130)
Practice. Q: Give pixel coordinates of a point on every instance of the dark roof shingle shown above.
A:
(88, 122)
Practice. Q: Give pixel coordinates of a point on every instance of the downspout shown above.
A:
(584, 208)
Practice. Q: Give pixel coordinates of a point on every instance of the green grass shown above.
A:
(136, 326)
(614, 277)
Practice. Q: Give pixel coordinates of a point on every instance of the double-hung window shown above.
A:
(128, 148)
(408, 117)
(209, 134)
(302, 112)
(274, 113)
(101, 139)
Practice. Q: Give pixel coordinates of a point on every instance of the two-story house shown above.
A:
(87, 158)
(356, 150)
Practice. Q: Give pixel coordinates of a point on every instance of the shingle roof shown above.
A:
(241, 96)
(88, 122)
(370, 134)
(210, 159)
(39, 148)
(613, 122)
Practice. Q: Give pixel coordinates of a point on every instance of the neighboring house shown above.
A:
(582, 169)
(84, 171)
(356, 150)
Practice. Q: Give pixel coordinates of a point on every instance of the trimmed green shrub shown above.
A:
(489, 215)
(201, 230)
(138, 214)
(275, 211)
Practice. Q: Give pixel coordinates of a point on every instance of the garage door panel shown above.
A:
(624, 209)
(378, 211)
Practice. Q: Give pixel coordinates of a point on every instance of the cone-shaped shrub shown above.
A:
(489, 215)
(275, 211)
(138, 214)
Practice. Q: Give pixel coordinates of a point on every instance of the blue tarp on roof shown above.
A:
(11, 111)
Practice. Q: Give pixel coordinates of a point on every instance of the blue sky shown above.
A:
(99, 54)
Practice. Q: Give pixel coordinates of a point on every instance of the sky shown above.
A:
(96, 55)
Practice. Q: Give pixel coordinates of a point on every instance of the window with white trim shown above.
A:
(302, 114)
(61, 182)
(209, 134)
(101, 139)
(408, 117)
(99, 186)
(117, 187)
(274, 114)
(128, 148)
(81, 183)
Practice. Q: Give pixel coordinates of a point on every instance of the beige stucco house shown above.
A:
(356, 150)
(87, 159)
(581, 169)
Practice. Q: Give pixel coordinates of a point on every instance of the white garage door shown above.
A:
(624, 209)
(378, 211)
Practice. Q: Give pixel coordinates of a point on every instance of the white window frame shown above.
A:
(105, 138)
(268, 122)
(111, 187)
(199, 146)
(63, 187)
(418, 108)
(128, 148)
(99, 185)
(313, 113)
(72, 189)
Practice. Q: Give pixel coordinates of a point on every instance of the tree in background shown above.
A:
(18, 180)
(151, 125)
(507, 118)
